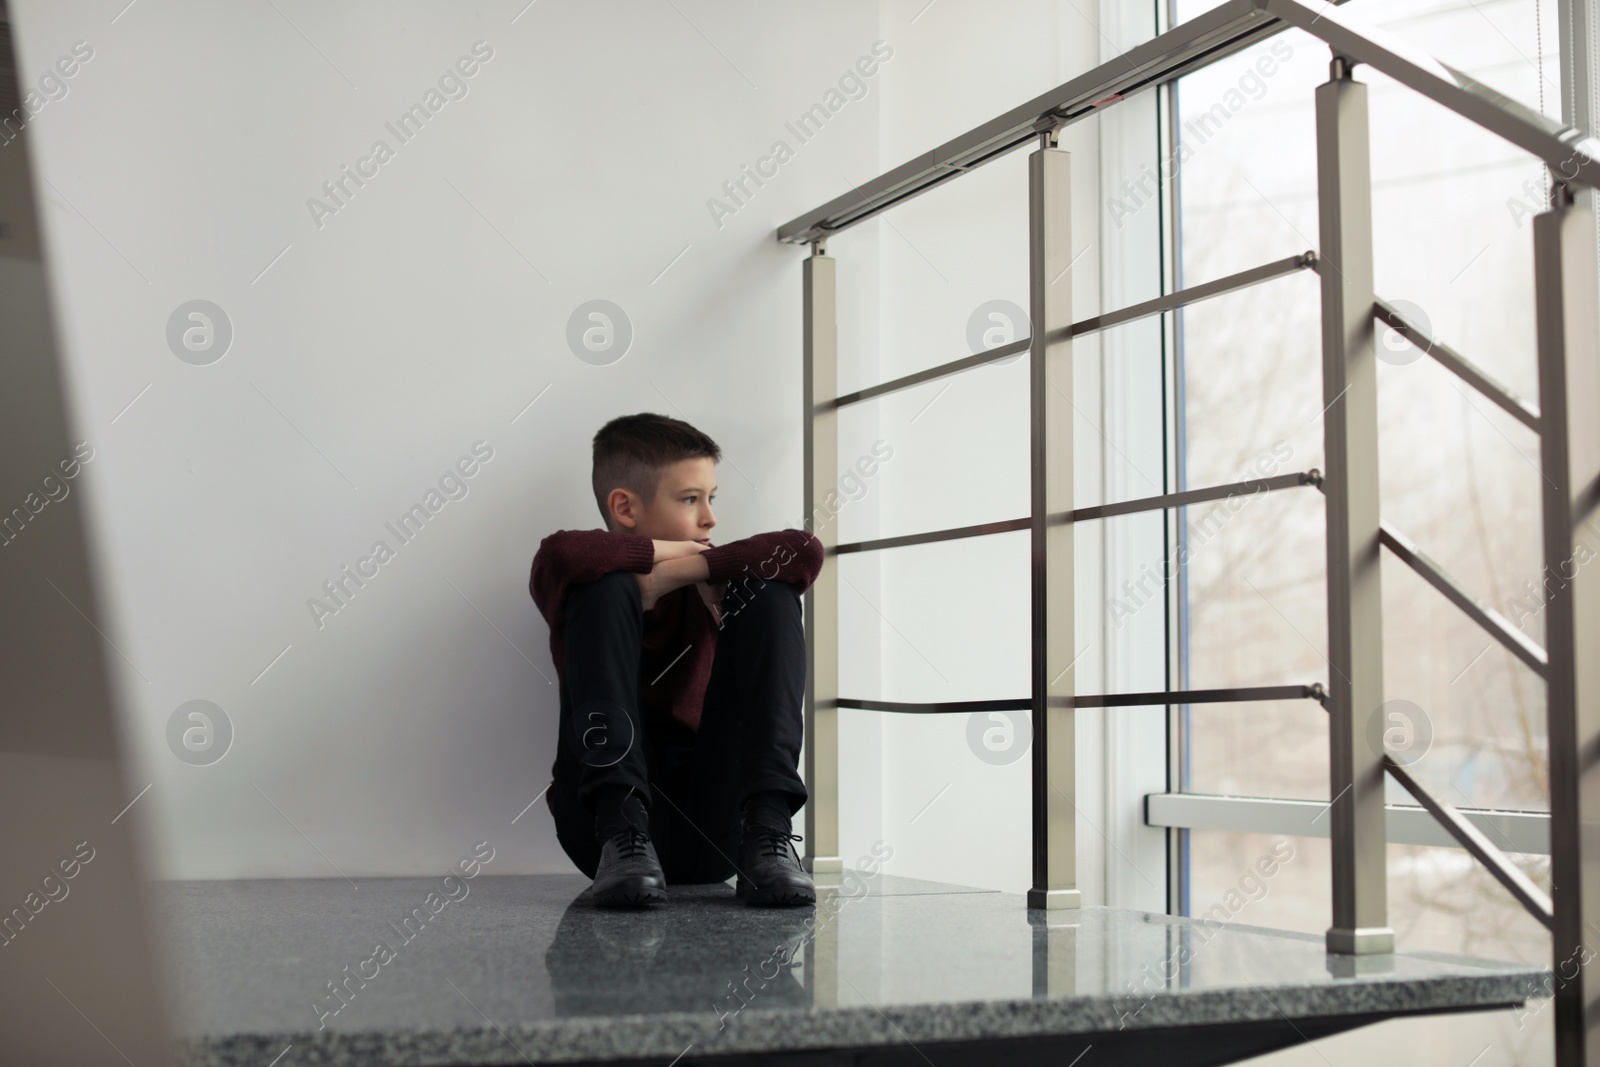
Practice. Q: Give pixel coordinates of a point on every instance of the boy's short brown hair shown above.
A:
(631, 450)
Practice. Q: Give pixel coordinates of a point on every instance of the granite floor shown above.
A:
(523, 969)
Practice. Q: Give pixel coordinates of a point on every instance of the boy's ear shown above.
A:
(623, 507)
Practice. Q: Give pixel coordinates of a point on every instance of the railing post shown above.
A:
(1569, 392)
(1050, 420)
(820, 445)
(1350, 436)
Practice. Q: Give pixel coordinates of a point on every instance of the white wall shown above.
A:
(371, 352)
(375, 346)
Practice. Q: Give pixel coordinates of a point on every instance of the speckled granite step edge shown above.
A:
(670, 1034)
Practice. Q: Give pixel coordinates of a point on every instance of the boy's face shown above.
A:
(681, 510)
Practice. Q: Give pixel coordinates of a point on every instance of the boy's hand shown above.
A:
(649, 591)
(666, 550)
(711, 596)
(670, 574)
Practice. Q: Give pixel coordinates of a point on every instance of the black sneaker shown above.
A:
(769, 868)
(628, 874)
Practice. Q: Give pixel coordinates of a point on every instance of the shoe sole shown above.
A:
(782, 896)
(631, 897)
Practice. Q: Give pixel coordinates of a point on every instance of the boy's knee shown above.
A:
(778, 597)
(755, 598)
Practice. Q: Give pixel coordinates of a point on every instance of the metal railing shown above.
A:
(1567, 421)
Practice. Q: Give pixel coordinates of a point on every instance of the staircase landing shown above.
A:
(889, 970)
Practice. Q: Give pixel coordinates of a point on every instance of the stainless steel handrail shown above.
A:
(1188, 47)
(1571, 154)
(1566, 276)
(1191, 46)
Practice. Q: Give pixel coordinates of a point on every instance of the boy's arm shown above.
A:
(793, 556)
(672, 574)
(570, 557)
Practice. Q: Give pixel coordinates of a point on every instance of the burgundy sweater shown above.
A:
(680, 635)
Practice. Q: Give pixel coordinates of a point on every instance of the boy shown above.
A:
(680, 699)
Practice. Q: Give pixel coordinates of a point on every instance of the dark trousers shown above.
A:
(748, 740)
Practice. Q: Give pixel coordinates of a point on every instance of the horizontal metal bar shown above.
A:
(1005, 526)
(1525, 832)
(1518, 643)
(1572, 154)
(1190, 46)
(1458, 364)
(1195, 293)
(1101, 700)
(1199, 696)
(988, 355)
(945, 707)
(1249, 487)
(1171, 301)
(1519, 885)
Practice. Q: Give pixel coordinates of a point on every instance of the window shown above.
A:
(1451, 206)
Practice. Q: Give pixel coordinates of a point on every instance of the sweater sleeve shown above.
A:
(793, 556)
(571, 557)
